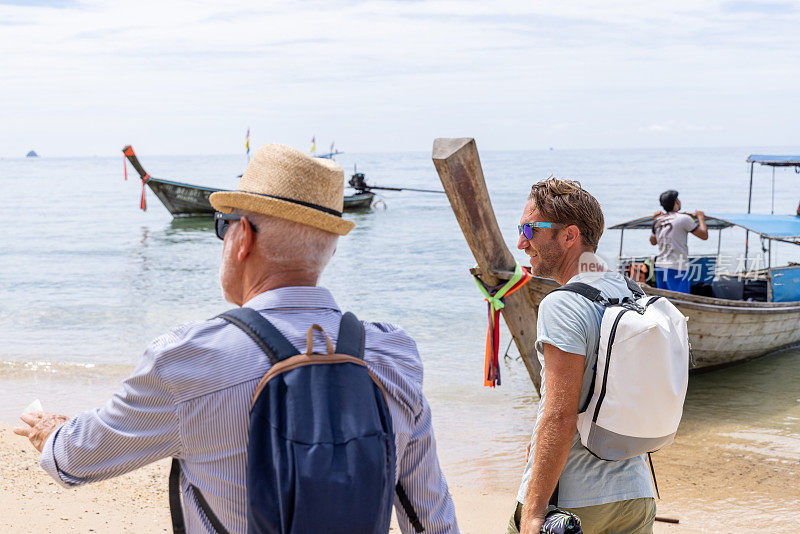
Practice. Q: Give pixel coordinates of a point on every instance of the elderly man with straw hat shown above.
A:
(190, 396)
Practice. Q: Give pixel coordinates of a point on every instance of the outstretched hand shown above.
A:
(40, 426)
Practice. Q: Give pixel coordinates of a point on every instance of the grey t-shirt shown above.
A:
(671, 230)
(571, 323)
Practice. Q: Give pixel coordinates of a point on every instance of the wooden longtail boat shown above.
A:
(187, 200)
(722, 331)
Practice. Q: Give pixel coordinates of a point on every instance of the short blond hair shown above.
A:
(566, 202)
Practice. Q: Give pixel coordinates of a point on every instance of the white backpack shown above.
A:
(640, 378)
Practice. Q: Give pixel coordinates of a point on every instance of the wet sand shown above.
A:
(137, 502)
(734, 466)
(708, 486)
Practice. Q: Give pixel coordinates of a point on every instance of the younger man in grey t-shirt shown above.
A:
(571, 323)
(670, 230)
(559, 230)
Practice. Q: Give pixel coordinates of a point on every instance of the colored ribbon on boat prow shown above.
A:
(495, 298)
(125, 153)
(143, 203)
(128, 152)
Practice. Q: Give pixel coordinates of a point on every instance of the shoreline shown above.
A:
(707, 488)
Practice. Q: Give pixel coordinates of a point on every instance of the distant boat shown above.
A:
(329, 155)
(32, 154)
(361, 200)
(187, 200)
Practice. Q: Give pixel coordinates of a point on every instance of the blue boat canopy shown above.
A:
(778, 227)
(775, 161)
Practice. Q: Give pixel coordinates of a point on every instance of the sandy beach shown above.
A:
(707, 485)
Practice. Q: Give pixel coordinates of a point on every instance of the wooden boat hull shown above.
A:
(359, 201)
(183, 200)
(722, 332)
(186, 200)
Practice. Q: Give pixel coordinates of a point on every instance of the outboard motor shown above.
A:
(357, 182)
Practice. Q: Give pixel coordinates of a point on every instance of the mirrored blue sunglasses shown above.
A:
(526, 229)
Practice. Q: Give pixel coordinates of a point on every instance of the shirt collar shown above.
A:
(297, 297)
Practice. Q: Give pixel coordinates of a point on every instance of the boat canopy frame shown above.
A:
(783, 228)
(769, 161)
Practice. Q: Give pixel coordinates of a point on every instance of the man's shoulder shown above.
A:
(185, 334)
(392, 355)
(200, 357)
(387, 344)
(564, 298)
(610, 285)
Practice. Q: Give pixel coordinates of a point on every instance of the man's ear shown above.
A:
(572, 235)
(246, 239)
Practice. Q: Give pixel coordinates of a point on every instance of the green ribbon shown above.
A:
(495, 300)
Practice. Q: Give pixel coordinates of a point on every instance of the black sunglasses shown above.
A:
(223, 220)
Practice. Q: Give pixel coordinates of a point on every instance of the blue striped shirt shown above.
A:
(190, 395)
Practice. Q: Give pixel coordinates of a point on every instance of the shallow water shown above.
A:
(87, 280)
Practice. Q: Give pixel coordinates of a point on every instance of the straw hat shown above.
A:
(283, 182)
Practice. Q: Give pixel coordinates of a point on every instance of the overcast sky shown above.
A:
(188, 77)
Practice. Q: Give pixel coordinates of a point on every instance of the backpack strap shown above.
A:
(585, 290)
(593, 294)
(405, 502)
(635, 288)
(175, 510)
(272, 342)
(351, 336)
(653, 472)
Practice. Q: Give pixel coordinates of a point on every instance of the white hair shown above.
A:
(292, 246)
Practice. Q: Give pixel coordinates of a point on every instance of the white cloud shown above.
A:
(190, 76)
(678, 127)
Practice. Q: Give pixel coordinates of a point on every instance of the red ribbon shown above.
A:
(143, 204)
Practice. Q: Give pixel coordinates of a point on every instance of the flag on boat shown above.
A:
(313, 144)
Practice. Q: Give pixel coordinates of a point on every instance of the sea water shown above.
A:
(87, 280)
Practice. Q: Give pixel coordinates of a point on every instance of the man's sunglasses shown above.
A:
(223, 220)
(527, 228)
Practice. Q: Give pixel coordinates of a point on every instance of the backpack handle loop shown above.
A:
(310, 339)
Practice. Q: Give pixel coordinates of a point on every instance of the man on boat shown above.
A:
(560, 227)
(190, 396)
(670, 229)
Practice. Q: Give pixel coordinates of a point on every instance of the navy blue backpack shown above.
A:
(321, 450)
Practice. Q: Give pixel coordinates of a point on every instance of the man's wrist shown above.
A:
(532, 511)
